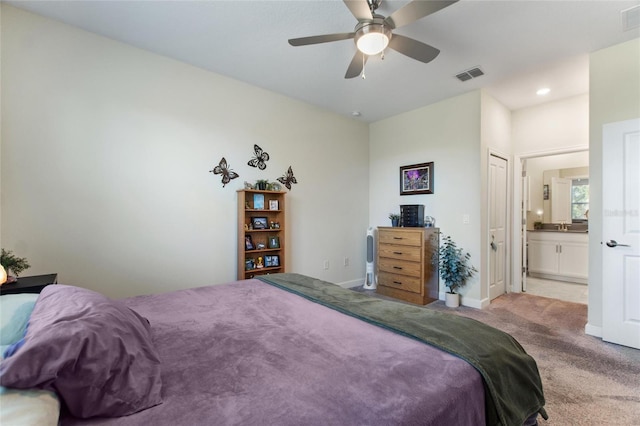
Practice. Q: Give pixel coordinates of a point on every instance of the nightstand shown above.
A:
(33, 284)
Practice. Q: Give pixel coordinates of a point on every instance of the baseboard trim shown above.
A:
(593, 330)
(352, 283)
(469, 302)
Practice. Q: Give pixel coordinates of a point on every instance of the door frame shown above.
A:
(517, 255)
(508, 228)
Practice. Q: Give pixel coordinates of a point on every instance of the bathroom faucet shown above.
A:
(562, 226)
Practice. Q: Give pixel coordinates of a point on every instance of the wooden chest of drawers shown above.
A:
(405, 264)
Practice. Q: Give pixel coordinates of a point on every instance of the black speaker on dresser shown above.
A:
(412, 215)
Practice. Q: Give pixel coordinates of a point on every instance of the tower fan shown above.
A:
(369, 280)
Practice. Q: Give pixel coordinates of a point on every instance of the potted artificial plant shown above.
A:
(454, 269)
(12, 264)
(395, 219)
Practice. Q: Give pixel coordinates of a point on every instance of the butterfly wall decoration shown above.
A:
(225, 171)
(260, 158)
(287, 179)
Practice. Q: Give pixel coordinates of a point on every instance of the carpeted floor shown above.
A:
(586, 381)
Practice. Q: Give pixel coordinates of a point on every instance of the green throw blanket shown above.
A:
(511, 378)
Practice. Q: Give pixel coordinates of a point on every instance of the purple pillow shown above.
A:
(94, 352)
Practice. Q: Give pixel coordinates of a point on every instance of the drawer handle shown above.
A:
(397, 267)
(397, 282)
(398, 252)
(397, 238)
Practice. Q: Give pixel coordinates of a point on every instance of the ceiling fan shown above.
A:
(373, 33)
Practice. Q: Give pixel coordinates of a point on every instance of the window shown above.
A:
(579, 200)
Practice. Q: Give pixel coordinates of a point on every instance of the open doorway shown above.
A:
(553, 213)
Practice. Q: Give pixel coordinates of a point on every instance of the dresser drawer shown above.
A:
(405, 238)
(394, 251)
(401, 282)
(403, 267)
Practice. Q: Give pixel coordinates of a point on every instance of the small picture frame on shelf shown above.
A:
(272, 261)
(249, 264)
(258, 201)
(248, 243)
(273, 205)
(274, 242)
(259, 223)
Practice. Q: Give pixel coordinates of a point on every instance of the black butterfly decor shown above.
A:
(259, 159)
(222, 169)
(288, 179)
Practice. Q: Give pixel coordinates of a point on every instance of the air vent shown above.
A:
(469, 74)
(630, 18)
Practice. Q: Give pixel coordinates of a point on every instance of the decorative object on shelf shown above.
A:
(274, 225)
(248, 243)
(287, 179)
(249, 264)
(273, 204)
(248, 185)
(395, 219)
(258, 201)
(259, 222)
(260, 158)
(416, 179)
(259, 263)
(224, 170)
(537, 225)
(275, 186)
(260, 246)
(429, 222)
(12, 264)
(454, 269)
(261, 184)
(274, 242)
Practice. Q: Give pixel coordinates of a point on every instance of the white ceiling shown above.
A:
(520, 45)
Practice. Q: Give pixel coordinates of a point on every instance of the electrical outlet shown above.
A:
(346, 262)
(326, 264)
(465, 219)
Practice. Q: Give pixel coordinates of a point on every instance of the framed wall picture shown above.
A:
(416, 179)
(259, 222)
(274, 242)
(273, 205)
(545, 192)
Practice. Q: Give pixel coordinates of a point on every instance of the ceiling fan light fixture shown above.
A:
(372, 38)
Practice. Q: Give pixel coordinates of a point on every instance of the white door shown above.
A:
(621, 233)
(497, 225)
(560, 200)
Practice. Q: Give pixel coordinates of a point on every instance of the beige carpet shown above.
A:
(586, 381)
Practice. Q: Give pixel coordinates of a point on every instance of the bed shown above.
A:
(284, 349)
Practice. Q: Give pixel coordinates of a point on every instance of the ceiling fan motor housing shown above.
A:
(376, 35)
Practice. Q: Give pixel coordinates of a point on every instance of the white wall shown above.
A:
(106, 152)
(447, 133)
(614, 86)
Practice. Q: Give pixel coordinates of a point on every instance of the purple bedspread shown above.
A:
(247, 353)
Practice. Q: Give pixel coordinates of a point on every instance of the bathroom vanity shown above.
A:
(558, 255)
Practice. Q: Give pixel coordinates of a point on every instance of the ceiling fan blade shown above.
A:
(359, 9)
(303, 41)
(356, 65)
(413, 48)
(415, 10)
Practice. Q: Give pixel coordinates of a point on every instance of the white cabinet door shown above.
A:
(543, 257)
(573, 260)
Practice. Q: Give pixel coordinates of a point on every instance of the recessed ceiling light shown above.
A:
(543, 91)
(356, 113)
